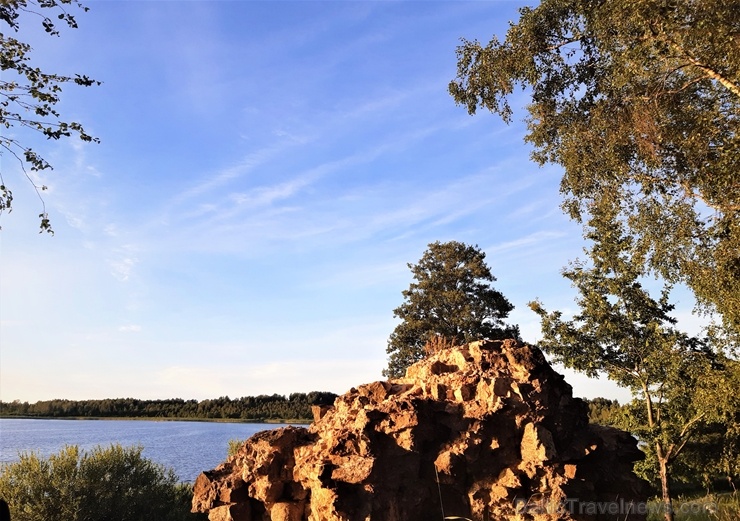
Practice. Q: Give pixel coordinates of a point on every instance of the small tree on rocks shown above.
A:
(450, 301)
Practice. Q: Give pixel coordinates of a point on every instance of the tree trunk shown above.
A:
(662, 458)
(667, 503)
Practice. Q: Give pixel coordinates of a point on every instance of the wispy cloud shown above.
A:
(282, 168)
(122, 265)
(528, 241)
(130, 328)
(225, 176)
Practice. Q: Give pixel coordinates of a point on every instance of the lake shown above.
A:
(188, 448)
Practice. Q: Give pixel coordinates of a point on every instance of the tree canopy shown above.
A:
(451, 299)
(639, 102)
(28, 95)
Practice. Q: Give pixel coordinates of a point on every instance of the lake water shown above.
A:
(188, 448)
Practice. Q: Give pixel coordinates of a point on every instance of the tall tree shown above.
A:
(622, 331)
(28, 95)
(452, 299)
(639, 102)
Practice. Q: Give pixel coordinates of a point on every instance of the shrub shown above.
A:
(234, 446)
(438, 343)
(105, 484)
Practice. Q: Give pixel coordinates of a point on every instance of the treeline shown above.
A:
(604, 411)
(710, 459)
(296, 406)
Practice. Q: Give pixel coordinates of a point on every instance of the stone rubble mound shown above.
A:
(487, 431)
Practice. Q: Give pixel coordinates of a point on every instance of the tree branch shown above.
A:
(710, 71)
(672, 454)
(729, 85)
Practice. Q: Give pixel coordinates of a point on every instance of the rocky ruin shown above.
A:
(488, 431)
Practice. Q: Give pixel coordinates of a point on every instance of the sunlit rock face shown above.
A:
(487, 431)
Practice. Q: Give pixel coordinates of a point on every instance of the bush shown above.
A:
(234, 446)
(105, 484)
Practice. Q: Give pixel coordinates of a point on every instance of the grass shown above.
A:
(713, 507)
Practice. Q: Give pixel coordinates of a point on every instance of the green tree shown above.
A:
(113, 484)
(28, 95)
(708, 459)
(712, 456)
(604, 411)
(450, 298)
(622, 331)
(639, 102)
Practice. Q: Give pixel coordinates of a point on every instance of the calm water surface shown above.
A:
(187, 447)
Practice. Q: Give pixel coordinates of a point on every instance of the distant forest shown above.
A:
(297, 406)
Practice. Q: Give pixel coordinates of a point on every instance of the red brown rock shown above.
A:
(488, 431)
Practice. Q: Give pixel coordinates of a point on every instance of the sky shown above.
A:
(265, 172)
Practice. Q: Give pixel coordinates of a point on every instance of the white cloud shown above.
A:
(131, 328)
(528, 240)
(224, 176)
(266, 195)
(111, 230)
(122, 268)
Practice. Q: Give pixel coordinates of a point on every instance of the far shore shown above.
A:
(165, 419)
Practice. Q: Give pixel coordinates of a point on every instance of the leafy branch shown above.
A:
(29, 99)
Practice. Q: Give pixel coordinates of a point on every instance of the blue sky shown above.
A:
(265, 172)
